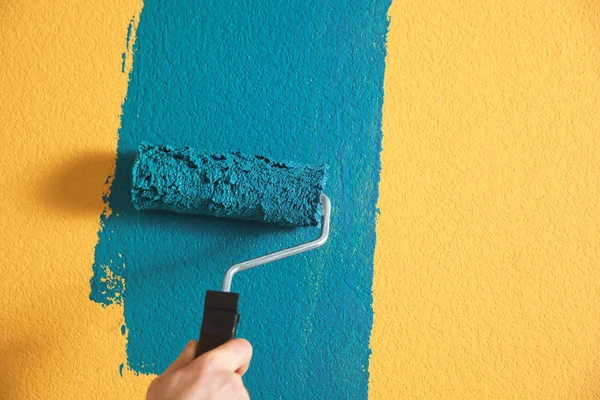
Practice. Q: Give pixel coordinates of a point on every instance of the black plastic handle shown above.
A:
(220, 320)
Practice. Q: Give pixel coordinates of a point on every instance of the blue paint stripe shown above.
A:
(299, 81)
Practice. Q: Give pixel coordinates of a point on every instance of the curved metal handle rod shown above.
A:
(278, 255)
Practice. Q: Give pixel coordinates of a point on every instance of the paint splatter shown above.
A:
(129, 32)
(124, 57)
(295, 81)
(127, 44)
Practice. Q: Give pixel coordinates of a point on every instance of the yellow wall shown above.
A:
(61, 90)
(486, 277)
(487, 274)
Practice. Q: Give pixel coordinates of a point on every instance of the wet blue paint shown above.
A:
(121, 369)
(299, 81)
(227, 185)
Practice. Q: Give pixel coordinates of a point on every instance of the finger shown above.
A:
(232, 356)
(242, 369)
(186, 356)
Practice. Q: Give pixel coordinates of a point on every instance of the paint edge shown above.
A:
(370, 383)
(126, 68)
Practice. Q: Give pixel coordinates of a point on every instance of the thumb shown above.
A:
(187, 356)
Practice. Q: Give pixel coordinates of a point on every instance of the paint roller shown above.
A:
(231, 185)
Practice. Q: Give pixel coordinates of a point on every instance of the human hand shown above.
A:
(216, 375)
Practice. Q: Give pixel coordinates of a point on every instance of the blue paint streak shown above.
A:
(121, 369)
(127, 44)
(124, 63)
(298, 81)
(129, 31)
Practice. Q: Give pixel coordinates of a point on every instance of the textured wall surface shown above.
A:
(61, 90)
(486, 264)
(488, 244)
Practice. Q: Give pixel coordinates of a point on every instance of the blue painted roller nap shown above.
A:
(227, 185)
(294, 80)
